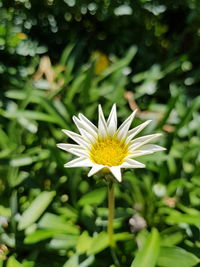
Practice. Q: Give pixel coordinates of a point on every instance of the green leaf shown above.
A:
(28, 263)
(12, 262)
(68, 212)
(16, 94)
(99, 243)
(14, 208)
(176, 218)
(4, 211)
(63, 242)
(40, 235)
(52, 221)
(148, 255)
(119, 64)
(171, 256)
(122, 236)
(29, 114)
(53, 112)
(171, 239)
(188, 113)
(84, 243)
(22, 175)
(170, 106)
(35, 210)
(74, 88)
(93, 198)
(72, 262)
(87, 262)
(21, 161)
(66, 53)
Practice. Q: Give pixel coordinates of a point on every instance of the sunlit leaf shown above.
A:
(35, 210)
(84, 243)
(52, 221)
(99, 243)
(148, 254)
(169, 256)
(94, 197)
(12, 262)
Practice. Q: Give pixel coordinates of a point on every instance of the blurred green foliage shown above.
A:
(166, 33)
(133, 53)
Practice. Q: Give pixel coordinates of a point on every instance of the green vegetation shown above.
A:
(60, 58)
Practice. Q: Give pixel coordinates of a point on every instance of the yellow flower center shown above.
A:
(108, 151)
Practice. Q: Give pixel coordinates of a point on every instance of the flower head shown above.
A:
(107, 146)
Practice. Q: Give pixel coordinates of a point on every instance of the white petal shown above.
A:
(145, 150)
(130, 163)
(79, 162)
(123, 129)
(67, 147)
(133, 132)
(89, 138)
(140, 141)
(102, 126)
(138, 153)
(81, 124)
(79, 152)
(95, 169)
(74, 149)
(86, 135)
(112, 121)
(116, 171)
(77, 138)
(153, 148)
(88, 122)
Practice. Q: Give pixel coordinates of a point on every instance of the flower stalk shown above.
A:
(111, 208)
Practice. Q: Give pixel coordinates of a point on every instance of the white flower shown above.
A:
(108, 147)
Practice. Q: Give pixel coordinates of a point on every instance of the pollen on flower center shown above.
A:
(108, 151)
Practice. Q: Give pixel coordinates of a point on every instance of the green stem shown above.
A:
(111, 207)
